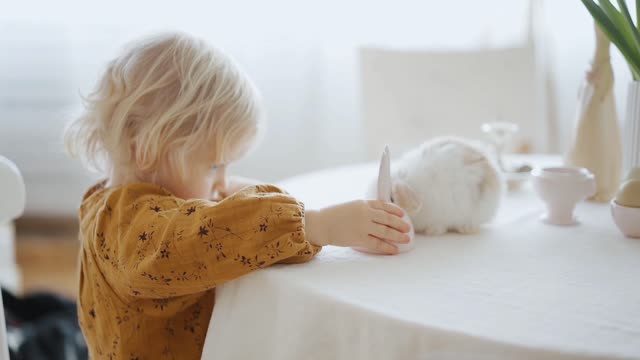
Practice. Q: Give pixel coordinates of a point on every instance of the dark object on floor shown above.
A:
(43, 326)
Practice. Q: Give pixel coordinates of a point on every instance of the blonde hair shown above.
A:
(165, 97)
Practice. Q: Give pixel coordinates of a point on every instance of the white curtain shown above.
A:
(301, 54)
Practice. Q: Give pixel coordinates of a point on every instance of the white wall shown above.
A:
(301, 54)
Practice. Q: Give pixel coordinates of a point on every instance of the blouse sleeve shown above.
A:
(171, 247)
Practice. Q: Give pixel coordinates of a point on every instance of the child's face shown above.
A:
(203, 180)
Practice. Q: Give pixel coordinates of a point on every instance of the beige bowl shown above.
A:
(627, 219)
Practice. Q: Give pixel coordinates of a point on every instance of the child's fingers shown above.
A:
(386, 206)
(380, 246)
(388, 234)
(384, 218)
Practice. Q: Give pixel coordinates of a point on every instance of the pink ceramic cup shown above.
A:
(561, 188)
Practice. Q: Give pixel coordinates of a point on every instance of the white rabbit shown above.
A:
(447, 184)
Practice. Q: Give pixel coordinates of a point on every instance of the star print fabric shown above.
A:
(150, 262)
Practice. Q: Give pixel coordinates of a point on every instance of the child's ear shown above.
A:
(405, 197)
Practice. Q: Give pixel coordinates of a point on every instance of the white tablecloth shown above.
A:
(520, 289)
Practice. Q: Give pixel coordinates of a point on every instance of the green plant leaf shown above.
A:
(614, 31)
(626, 30)
(638, 14)
(611, 11)
(620, 22)
(616, 17)
(629, 23)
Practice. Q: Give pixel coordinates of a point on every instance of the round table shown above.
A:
(519, 289)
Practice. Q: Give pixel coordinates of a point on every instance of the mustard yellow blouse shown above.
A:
(150, 262)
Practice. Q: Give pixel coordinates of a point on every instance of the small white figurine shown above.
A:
(596, 143)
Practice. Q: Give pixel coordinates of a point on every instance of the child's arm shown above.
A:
(195, 245)
(370, 224)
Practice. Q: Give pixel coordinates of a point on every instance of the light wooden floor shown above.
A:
(48, 262)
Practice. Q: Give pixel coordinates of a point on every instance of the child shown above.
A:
(166, 119)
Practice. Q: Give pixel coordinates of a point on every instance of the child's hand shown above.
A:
(371, 224)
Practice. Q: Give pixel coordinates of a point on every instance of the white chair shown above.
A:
(12, 202)
(409, 96)
(4, 346)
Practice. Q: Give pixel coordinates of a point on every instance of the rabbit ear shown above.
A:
(384, 177)
(405, 197)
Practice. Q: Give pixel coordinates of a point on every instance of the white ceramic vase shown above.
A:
(596, 143)
(632, 128)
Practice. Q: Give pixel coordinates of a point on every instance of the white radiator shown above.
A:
(12, 200)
